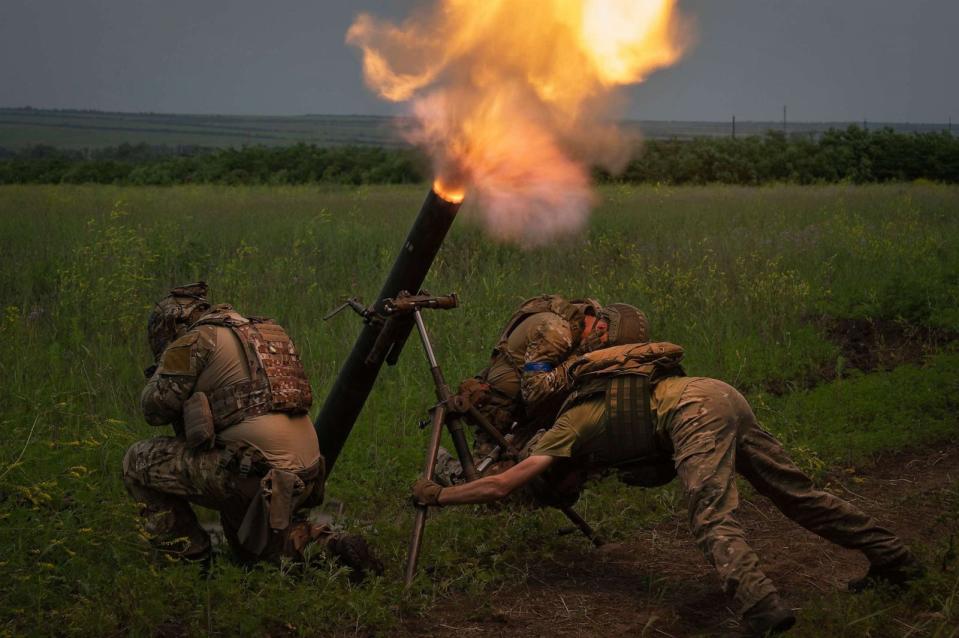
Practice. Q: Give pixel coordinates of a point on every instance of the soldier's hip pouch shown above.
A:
(198, 426)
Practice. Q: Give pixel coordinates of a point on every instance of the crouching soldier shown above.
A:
(235, 391)
(512, 393)
(631, 409)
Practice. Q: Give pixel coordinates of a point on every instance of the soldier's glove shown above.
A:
(472, 391)
(353, 551)
(427, 493)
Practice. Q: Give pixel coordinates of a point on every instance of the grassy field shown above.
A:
(96, 129)
(753, 282)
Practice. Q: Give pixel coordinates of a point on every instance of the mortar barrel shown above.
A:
(356, 378)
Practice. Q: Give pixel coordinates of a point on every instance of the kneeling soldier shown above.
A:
(236, 393)
(632, 409)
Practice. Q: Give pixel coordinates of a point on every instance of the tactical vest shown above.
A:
(277, 381)
(626, 376)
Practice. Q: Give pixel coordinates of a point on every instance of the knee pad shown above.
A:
(132, 462)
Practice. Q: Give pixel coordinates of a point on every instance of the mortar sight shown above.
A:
(356, 378)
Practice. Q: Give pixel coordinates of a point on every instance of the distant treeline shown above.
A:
(149, 165)
(850, 155)
(854, 155)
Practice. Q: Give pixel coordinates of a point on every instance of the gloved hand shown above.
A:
(427, 492)
(472, 391)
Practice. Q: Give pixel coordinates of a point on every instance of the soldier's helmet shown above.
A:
(588, 305)
(173, 314)
(627, 324)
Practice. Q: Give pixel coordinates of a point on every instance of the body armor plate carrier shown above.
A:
(630, 433)
(626, 376)
(277, 382)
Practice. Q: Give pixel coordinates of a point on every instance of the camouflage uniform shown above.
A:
(261, 468)
(711, 433)
(715, 434)
(524, 378)
(165, 476)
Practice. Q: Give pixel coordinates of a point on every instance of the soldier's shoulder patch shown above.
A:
(178, 357)
(186, 340)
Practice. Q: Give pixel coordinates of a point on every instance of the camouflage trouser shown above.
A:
(715, 434)
(165, 476)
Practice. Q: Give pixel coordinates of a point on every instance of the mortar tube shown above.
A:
(356, 378)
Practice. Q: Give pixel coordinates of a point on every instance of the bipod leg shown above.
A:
(455, 427)
(436, 431)
(583, 526)
(419, 522)
(443, 394)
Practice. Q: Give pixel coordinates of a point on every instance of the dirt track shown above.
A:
(659, 581)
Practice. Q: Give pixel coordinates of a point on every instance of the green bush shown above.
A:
(853, 155)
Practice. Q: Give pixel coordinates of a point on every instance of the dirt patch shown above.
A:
(868, 345)
(658, 583)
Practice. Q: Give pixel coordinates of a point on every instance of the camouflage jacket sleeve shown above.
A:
(173, 382)
(544, 376)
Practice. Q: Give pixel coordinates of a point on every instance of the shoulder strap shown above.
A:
(222, 315)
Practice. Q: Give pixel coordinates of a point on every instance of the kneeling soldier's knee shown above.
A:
(133, 462)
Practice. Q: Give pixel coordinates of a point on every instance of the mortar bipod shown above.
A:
(439, 412)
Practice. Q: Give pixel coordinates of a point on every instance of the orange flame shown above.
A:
(454, 195)
(511, 98)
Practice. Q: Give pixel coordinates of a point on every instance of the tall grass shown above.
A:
(738, 276)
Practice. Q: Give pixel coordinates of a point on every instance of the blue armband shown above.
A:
(538, 366)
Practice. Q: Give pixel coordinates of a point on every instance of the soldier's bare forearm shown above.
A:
(493, 488)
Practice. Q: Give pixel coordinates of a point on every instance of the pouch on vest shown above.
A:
(198, 427)
(653, 472)
(278, 494)
(629, 427)
(631, 445)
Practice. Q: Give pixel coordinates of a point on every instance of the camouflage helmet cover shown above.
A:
(627, 324)
(174, 313)
(588, 305)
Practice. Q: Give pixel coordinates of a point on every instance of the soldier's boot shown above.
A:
(174, 530)
(895, 575)
(769, 616)
(351, 550)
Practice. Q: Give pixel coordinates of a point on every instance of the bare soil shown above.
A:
(658, 581)
(869, 345)
(881, 344)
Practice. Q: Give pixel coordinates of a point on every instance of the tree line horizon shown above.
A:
(854, 155)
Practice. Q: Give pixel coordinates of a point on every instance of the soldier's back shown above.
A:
(287, 441)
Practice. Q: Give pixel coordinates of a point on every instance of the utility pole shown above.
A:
(734, 127)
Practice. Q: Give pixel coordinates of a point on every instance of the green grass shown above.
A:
(738, 276)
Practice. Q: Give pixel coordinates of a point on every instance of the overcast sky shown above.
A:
(882, 60)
